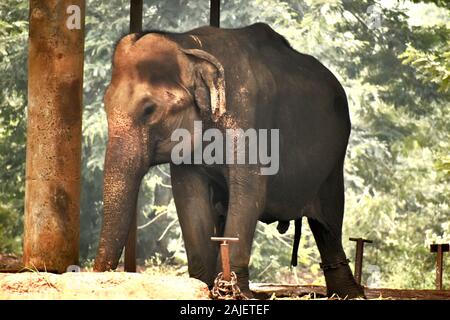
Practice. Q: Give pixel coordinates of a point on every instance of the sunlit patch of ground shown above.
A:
(113, 285)
(107, 285)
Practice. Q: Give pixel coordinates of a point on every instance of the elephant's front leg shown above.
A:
(191, 192)
(246, 203)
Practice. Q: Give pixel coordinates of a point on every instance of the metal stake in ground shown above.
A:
(439, 249)
(225, 255)
(359, 257)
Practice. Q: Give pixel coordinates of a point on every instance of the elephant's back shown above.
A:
(272, 86)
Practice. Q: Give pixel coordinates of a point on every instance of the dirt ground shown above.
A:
(156, 282)
(163, 284)
(109, 285)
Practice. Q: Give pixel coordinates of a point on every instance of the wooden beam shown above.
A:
(266, 290)
(53, 157)
(407, 294)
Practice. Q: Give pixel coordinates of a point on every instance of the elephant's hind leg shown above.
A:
(330, 207)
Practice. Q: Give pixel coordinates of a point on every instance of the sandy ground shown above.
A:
(108, 285)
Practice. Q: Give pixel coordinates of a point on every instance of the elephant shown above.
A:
(243, 78)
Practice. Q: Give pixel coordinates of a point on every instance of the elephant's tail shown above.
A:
(297, 235)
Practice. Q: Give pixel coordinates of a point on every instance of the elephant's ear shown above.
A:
(209, 83)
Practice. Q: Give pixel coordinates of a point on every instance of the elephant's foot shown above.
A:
(242, 275)
(204, 277)
(340, 282)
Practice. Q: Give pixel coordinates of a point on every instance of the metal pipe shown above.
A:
(439, 267)
(214, 13)
(225, 255)
(130, 247)
(439, 249)
(136, 8)
(359, 257)
(53, 158)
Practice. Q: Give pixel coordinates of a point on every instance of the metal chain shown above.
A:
(335, 265)
(226, 290)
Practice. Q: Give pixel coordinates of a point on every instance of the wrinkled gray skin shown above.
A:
(159, 84)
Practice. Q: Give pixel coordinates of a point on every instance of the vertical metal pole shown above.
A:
(439, 248)
(225, 255)
(359, 260)
(214, 13)
(439, 267)
(359, 257)
(53, 159)
(136, 7)
(130, 247)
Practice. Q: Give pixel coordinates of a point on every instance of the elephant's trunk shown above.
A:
(125, 166)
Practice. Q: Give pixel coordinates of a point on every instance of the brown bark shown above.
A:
(53, 161)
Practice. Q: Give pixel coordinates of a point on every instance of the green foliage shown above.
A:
(396, 74)
(13, 81)
(431, 67)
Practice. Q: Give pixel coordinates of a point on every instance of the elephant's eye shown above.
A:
(149, 108)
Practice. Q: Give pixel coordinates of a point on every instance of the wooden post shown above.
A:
(53, 159)
(136, 7)
(214, 13)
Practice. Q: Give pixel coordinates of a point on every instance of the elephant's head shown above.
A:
(156, 87)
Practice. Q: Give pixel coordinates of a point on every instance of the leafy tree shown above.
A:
(13, 81)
